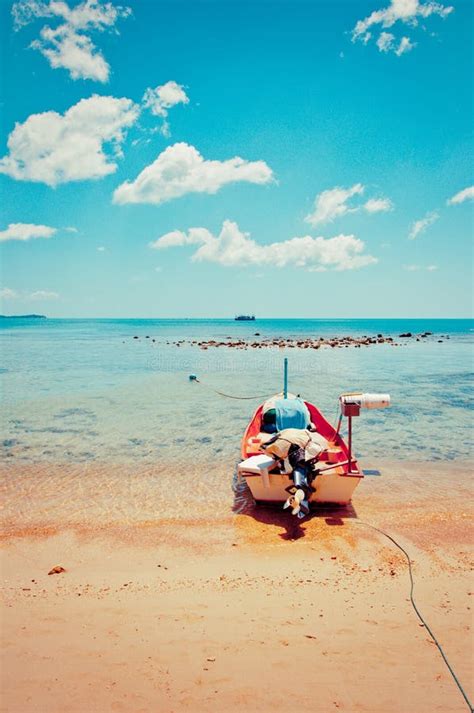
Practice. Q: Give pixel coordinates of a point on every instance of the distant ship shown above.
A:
(245, 318)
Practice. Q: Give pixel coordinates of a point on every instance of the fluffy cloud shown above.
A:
(405, 45)
(26, 231)
(68, 45)
(333, 203)
(408, 12)
(386, 43)
(419, 226)
(464, 195)
(161, 99)
(56, 148)
(232, 247)
(180, 169)
(378, 205)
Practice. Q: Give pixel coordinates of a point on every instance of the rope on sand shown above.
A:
(417, 611)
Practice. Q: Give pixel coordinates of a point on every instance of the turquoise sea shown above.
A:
(101, 426)
(87, 391)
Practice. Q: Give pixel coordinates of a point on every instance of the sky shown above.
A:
(288, 158)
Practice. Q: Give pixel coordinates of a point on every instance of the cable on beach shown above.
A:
(417, 611)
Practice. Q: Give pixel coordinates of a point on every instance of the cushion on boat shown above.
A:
(291, 413)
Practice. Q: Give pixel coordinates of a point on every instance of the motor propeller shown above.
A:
(298, 502)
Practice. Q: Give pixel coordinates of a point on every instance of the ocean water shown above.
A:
(85, 405)
(77, 390)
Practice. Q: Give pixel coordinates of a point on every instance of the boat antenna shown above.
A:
(285, 378)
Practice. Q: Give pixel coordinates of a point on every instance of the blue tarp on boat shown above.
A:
(291, 413)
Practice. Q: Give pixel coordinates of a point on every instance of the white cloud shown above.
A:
(83, 143)
(407, 12)
(70, 229)
(180, 169)
(7, 294)
(161, 99)
(464, 195)
(68, 45)
(43, 295)
(419, 226)
(405, 45)
(232, 247)
(385, 41)
(101, 249)
(26, 231)
(333, 203)
(378, 205)
(417, 268)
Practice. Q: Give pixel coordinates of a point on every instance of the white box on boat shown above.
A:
(257, 465)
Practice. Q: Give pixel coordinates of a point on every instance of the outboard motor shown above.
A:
(300, 493)
(302, 476)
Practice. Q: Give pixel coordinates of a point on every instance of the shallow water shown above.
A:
(99, 427)
(87, 391)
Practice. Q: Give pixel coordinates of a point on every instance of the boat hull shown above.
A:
(329, 488)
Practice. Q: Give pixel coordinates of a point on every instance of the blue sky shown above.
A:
(289, 158)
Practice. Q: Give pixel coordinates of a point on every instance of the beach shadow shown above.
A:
(273, 514)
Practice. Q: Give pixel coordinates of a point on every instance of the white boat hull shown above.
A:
(329, 487)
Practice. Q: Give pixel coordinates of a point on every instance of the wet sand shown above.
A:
(214, 609)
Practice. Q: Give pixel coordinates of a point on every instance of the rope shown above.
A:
(418, 613)
(230, 396)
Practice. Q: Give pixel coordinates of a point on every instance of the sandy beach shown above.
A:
(245, 612)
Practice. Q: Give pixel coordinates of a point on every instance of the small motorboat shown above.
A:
(333, 474)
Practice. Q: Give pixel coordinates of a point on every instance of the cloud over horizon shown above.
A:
(36, 296)
(181, 169)
(68, 45)
(83, 143)
(232, 247)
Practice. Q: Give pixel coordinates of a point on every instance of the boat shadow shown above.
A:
(273, 514)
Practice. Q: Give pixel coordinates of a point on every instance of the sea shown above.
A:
(96, 407)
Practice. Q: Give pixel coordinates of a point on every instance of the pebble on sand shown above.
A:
(57, 570)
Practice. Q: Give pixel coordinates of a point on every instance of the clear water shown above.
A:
(86, 391)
